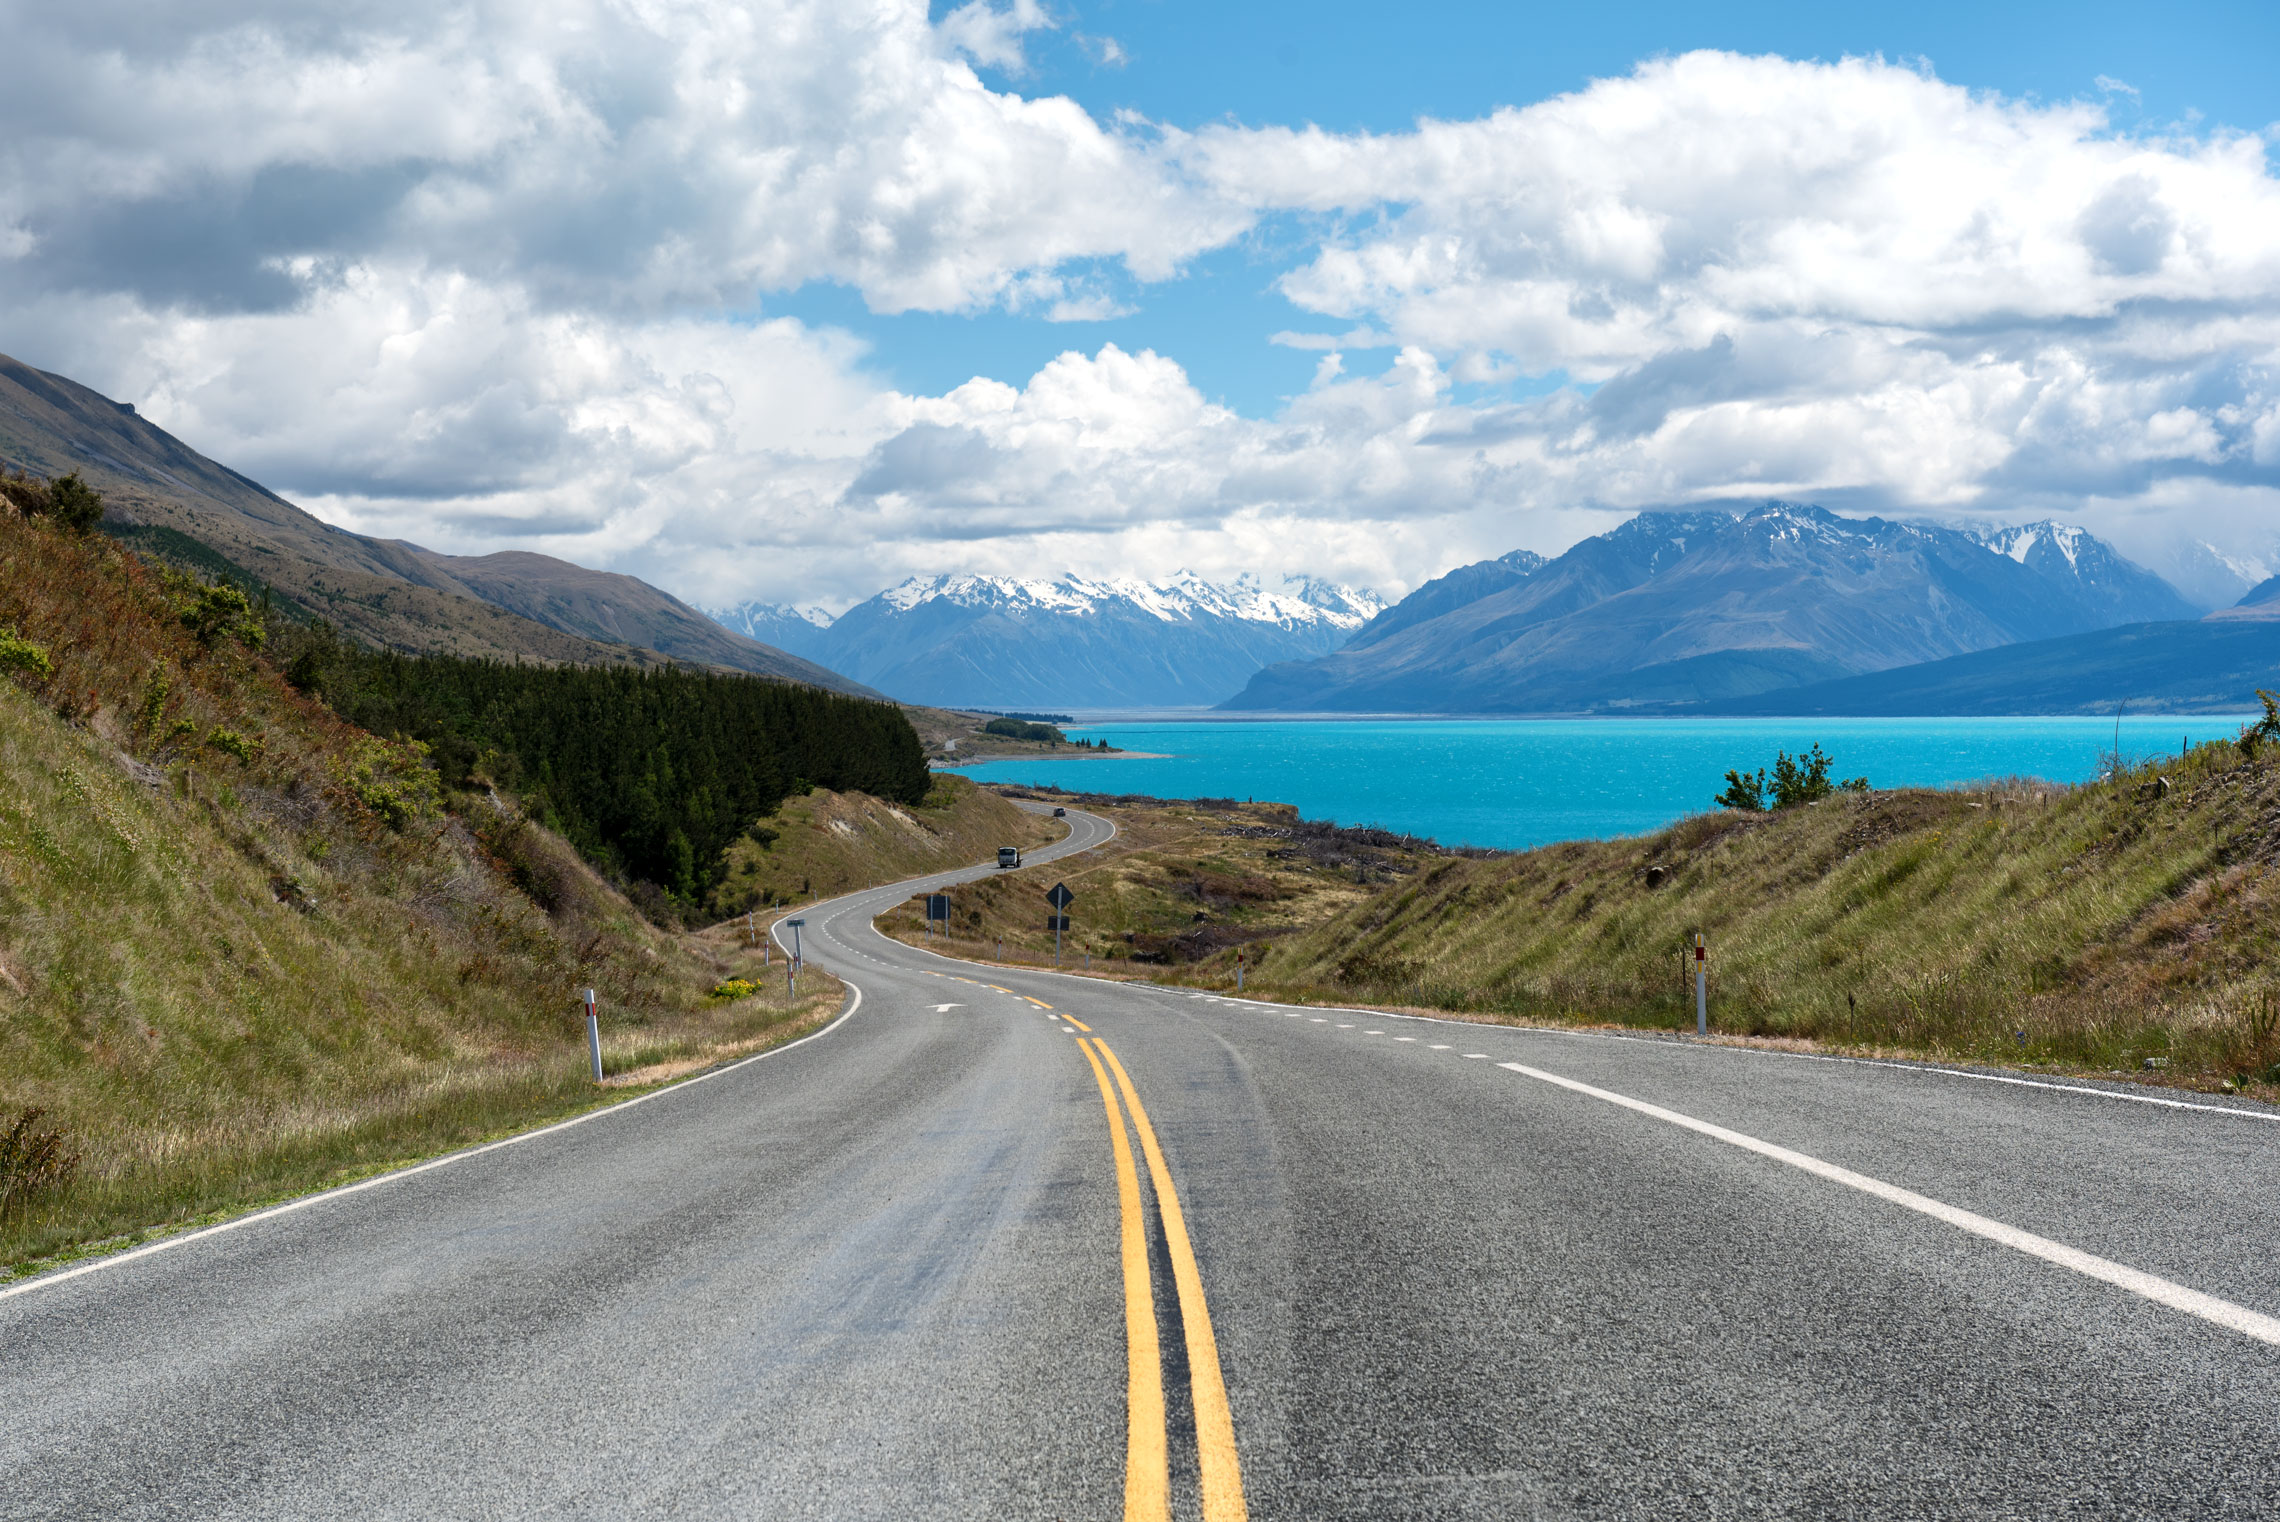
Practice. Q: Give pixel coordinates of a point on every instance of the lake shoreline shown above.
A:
(1513, 784)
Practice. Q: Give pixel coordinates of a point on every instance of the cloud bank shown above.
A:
(498, 274)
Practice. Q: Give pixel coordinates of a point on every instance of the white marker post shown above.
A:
(1701, 986)
(1238, 970)
(594, 1035)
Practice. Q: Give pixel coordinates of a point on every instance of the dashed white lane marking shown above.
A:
(1366, 1033)
(1318, 1021)
(1436, 1048)
(1482, 1056)
(1345, 1027)
(2192, 1302)
(1405, 1038)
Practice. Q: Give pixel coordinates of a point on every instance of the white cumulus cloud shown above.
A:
(486, 272)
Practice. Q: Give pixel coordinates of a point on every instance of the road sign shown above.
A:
(1060, 897)
(1056, 922)
(937, 906)
(795, 924)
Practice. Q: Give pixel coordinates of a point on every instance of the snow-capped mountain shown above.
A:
(1085, 642)
(1689, 607)
(2104, 584)
(799, 630)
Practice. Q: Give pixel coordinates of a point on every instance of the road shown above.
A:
(1388, 1268)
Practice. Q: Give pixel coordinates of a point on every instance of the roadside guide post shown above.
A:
(1238, 969)
(792, 967)
(593, 1035)
(1701, 986)
(1060, 898)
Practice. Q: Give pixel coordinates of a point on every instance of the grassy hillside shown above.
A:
(246, 949)
(169, 499)
(826, 843)
(2093, 927)
(1183, 885)
(2099, 928)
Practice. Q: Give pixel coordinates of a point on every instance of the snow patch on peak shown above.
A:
(2018, 541)
(1184, 597)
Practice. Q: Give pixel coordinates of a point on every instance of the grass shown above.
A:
(1183, 884)
(827, 843)
(230, 973)
(2089, 929)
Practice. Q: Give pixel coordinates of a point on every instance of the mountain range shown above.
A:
(1676, 609)
(163, 496)
(1778, 606)
(1069, 642)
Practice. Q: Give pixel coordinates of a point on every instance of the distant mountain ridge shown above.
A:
(1674, 609)
(2211, 665)
(515, 604)
(799, 630)
(1076, 641)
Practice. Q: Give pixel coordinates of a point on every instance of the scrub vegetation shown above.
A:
(2129, 925)
(247, 948)
(1184, 884)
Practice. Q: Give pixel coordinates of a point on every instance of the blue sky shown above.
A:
(753, 298)
(1379, 67)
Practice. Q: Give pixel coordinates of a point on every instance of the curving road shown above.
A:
(1011, 1244)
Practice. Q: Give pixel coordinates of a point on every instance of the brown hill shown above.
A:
(386, 592)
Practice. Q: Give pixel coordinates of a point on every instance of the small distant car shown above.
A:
(1009, 856)
(1060, 813)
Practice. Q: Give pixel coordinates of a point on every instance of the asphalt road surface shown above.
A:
(1010, 1244)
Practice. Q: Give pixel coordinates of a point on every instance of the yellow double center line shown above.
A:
(1147, 1476)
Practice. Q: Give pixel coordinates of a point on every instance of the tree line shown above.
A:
(650, 773)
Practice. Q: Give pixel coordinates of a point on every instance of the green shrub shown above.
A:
(24, 657)
(1795, 780)
(2266, 728)
(224, 612)
(230, 743)
(1743, 791)
(75, 504)
(393, 780)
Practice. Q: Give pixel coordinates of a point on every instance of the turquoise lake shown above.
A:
(1527, 782)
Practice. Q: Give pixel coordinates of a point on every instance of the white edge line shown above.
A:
(2236, 1111)
(2224, 1313)
(114, 1260)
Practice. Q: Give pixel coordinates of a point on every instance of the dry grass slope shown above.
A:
(1184, 883)
(828, 843)
(2092, 927)
(245, 950)
(2088, 929)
